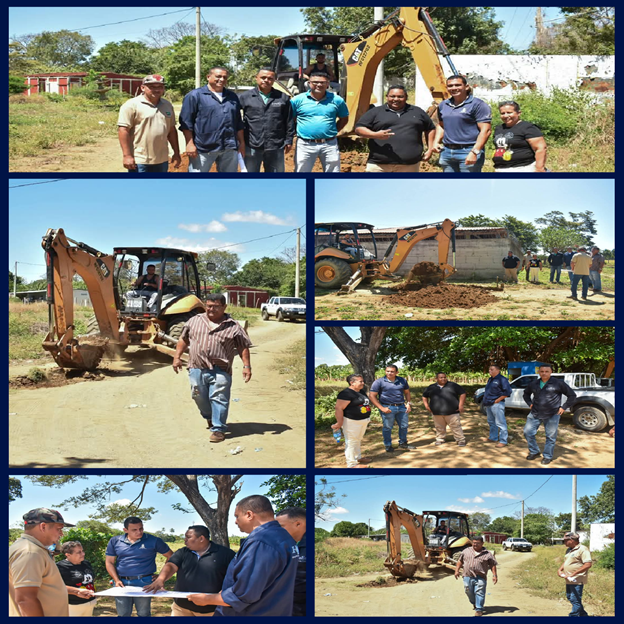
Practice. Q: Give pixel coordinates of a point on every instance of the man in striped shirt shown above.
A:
(213, 340)
(476, 561)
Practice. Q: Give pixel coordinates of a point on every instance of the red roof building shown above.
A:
(62, 82)
(244, 296)
(493, 537)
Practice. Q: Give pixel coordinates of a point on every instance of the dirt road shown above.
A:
(141, 415)
(444, 597)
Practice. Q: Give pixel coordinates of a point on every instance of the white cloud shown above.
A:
(469, 510)
(253, 216)
(206, 245)
(120, 501)
(501, 494)
(337, 510)
(213, 226)
(476, 499)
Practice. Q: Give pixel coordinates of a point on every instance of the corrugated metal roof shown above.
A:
(459, 229)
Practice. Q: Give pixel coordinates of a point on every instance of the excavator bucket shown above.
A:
(71, 354)
(404, 568)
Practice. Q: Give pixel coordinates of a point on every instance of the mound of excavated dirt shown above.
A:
(54, 378)
(441, 297)
(425, 269)
(389, 582)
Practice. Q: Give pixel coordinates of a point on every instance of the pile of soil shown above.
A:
(389, 582)
(425, 269)
(54, 378)
(441, 297)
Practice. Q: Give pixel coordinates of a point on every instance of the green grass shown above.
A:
(539, 575)
(37, 123)
(346, 556)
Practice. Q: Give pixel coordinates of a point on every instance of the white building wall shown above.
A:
(598, 536)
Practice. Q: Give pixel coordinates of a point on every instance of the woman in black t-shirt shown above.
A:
(76, 572)
(519, 145)
(353, 415)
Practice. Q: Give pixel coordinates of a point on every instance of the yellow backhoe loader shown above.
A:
(435, 538)
(124, 313)
(361, 54)
(342, 261)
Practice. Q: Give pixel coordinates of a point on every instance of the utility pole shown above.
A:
(540, 31)
(522, 521)
(297, 262)
(15, 281)
(573, 523)
(369, 527)
(197, 47)
(378, 86)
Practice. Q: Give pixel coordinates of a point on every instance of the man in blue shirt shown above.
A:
(131, 562)
(391, 396)
(567, 262)
(317, 130)
(497, 390)
(212, 125)
(260, 580)
(464, 128)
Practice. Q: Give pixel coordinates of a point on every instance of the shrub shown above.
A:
(324, 409)
(16, 84)
(36, 375)
(606, 558)
(94, 544)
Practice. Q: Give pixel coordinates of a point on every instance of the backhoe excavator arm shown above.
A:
(409, 26)
(397, 517)
(63, 259)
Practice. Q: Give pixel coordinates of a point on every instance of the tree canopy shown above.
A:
(287, 491)
(601, 507)
(125, 57)
(15, 489)
(60, 50)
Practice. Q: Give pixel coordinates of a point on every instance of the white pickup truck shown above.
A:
(517, 543)
(593, 409)
(283, 308)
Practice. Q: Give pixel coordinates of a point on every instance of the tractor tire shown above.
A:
(265, 315)
(331, 273)
(174, 329)
(92, 325)
(590, 418)
(280, 316)
(456, 554)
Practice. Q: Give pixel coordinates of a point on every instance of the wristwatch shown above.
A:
(475, 152)
(246, 366)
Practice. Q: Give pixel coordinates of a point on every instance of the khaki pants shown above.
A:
(511, 274)
(82, 610)
(353, 431)
(534, 274)
(182, 612)
(454, 424)
(374, 168)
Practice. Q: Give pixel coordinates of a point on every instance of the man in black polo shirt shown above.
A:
(555, 260)
(445, 401)
(200, 567)
(395, 133)
(511, 264)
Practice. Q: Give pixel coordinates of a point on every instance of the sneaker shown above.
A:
(545, 461)
(572, 297)
(389, 449)
(461, 443)
(407, 447)
(439, 443)
(532, 456)
(217, 436)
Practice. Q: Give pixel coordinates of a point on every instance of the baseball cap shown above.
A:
(321, 54)
(154, 79)
(571, 535)
(43, 514)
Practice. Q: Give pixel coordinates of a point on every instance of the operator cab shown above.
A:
(442, 528)
(296, 52)
(345, 237)
(137, 293)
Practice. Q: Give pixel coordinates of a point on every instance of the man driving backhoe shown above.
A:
(441, 528)
(146, 285)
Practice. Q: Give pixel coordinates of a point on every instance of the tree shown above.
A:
(169, 35)
(504, 524)
(344, 529)
(320, 534)
(559, 237)
(526, 233)
(98, 526)
(267, 273)
(63, 50)
(582, 223)
(19, 281)
(477, 221)
(601, 507)
(251, 54)
(538, 527)
(286, 491)
(479, 521)
(287, 289)
(124, 57)
(15, 489)
(325, 498)
(226, 264)
(360, 528)
(362, 356)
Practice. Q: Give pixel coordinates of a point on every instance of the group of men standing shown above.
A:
(266, 577)
(257, 128)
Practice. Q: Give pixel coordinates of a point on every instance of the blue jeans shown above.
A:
(124, 605)
(574, 593)
(551, 426)
(475, 590)
(555, 270)
(227, 161)
(596, 280)
(307, 152)
(454, 161)
(570, 275)
(273, 160)
(585, 281)
(160, 168)
(210, 389)
(497, 422)
(398, 413)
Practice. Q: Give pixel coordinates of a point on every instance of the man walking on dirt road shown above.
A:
(445, 402)
(576, 563)
(213, 339)
(391, 396)
(497, 389)
(476, 562)
(146, 124)
(543, 396)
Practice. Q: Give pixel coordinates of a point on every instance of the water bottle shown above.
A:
(338, 435)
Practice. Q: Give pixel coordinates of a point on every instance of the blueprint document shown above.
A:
(137, 592)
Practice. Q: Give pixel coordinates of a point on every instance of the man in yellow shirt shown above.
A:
(576, 563)
(581, 263)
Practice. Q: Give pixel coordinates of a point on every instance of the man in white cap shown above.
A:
(146, 126)
(36, 587)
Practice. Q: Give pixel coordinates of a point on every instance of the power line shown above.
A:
(359, 479)
(136, 19)
(35, 183)
(253, 240)
(526, 17)
(508, 28)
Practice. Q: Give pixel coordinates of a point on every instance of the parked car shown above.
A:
(517, 543)
(283, 308)
(593, 410)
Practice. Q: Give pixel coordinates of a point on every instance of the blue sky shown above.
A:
(326, 352)
(518, 29)
(38, 496)
(497, 495)
(185, 213)
(400, 203)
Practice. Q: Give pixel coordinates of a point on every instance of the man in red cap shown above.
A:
(146, 125)
(36, 587)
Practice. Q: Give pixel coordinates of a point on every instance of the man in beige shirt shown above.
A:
(581, 263)
(36, 587)
(146, 125)
(576, 563)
